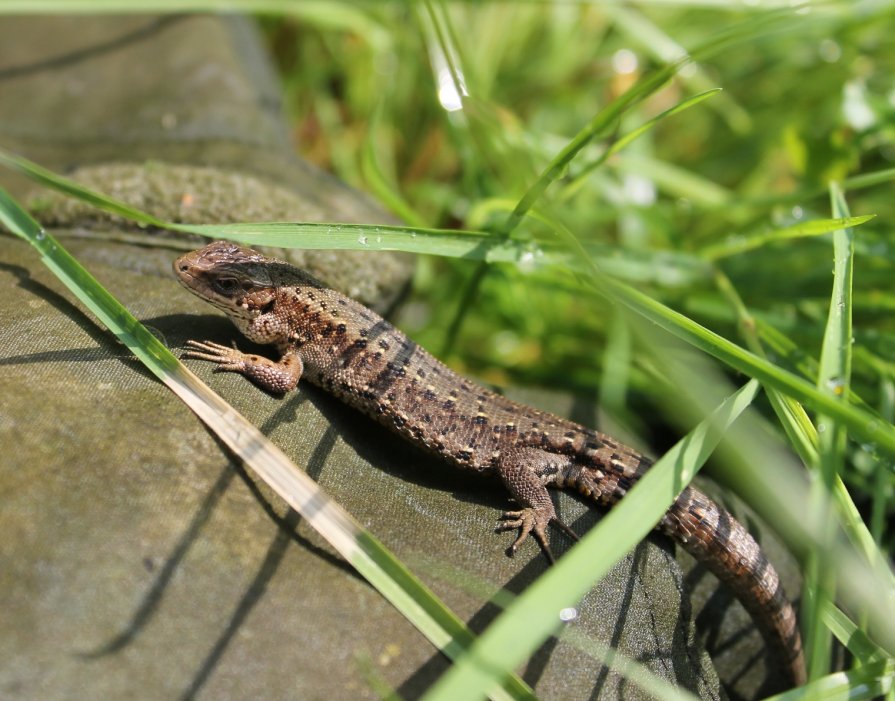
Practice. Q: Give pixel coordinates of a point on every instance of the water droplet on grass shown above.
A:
(568, 615)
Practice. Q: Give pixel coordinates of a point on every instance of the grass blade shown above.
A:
(869, 682)
(866, 426)
(795, 421)
(600, 125)
(578, 180)
(533, 616)
(815, 227)
(833, 379)
(473, 245)
(360, 548)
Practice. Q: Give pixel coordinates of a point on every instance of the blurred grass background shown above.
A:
(375, 94)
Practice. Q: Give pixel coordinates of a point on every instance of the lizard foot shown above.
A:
(276, 377)
(529, 521)
(533, 521)
(228, 359)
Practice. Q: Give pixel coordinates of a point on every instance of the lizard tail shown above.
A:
(714, 537)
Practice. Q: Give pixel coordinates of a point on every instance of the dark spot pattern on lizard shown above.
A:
(323, 336)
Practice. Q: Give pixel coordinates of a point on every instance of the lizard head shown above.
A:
(231, 277)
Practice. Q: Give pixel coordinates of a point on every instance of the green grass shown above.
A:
(358, 546)
(610, 206)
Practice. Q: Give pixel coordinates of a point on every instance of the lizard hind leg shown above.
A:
(526, 472)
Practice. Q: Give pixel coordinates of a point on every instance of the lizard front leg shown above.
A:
(526, 472)
(275, 376)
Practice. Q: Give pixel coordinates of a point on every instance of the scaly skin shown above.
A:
(353, 353)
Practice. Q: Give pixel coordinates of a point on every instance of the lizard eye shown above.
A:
(226, 285)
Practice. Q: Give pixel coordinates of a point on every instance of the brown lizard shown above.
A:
(352, 352)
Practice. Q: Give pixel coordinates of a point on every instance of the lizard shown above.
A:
(350, 351)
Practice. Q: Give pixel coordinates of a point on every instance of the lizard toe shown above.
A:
(529, 521)
(561, 525)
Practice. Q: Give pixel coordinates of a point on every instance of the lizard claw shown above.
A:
(565, 529)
